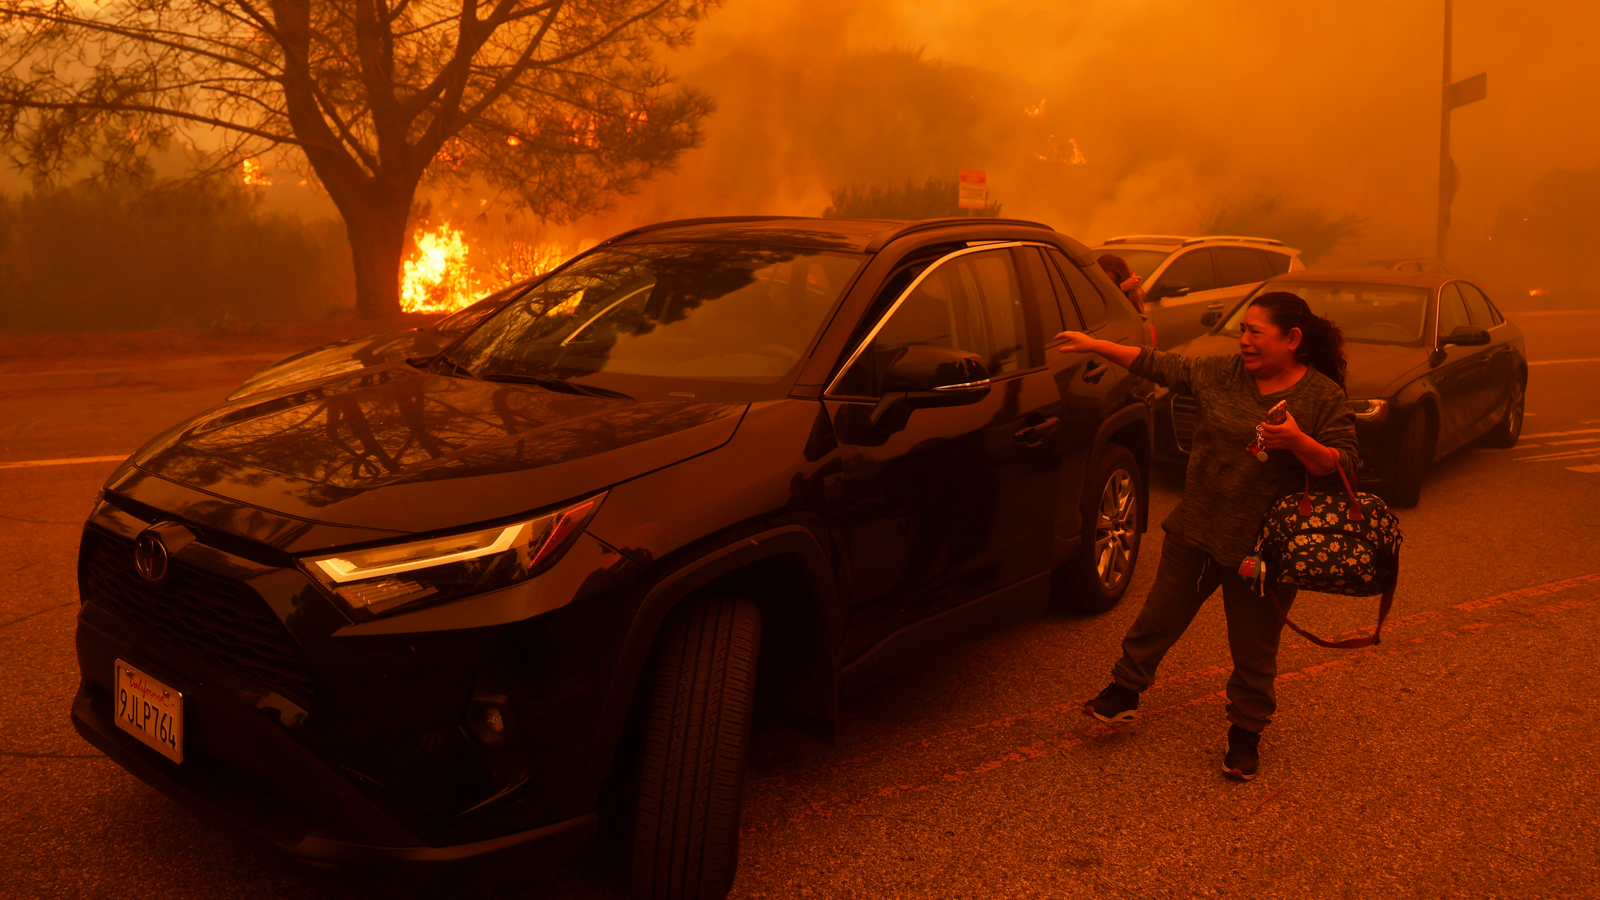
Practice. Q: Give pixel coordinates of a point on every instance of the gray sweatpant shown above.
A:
(1185, 579)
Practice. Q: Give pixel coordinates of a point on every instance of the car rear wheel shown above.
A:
(1505, 435)
(1405, 487)
(1095, 579)
(697, 737)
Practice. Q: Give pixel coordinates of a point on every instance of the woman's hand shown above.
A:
(1287, 436)
(1076, 342)
(1317, 458)
(1132, 282)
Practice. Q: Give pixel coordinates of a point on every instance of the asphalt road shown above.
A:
(1458, 759)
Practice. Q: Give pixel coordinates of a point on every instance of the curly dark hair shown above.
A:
(1321, 341)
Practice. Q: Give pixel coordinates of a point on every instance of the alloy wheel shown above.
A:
(1114, 529)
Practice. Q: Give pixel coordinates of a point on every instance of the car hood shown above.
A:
(399, 450)
(342, 356)
(1371, 369)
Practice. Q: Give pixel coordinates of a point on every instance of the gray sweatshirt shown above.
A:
(1227, 491)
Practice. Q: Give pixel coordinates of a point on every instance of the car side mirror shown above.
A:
(1169, 289)
(922, 376)
(1466, 336)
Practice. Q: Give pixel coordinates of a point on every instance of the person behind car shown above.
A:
(1285, 353)
(1124, 278)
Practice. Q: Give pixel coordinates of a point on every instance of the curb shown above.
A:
(197, 370)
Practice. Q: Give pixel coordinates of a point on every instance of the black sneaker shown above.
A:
(1243, 754)
(1116, 704)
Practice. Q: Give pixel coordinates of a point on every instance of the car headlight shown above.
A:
(1370, 410)
(376, 580)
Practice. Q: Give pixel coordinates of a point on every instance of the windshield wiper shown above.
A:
(556, 384)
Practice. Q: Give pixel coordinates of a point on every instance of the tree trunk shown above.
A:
(377, 243)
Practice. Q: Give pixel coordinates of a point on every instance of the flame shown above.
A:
(441, 278)
(513, 140)
(1537, 292)
(1035, 110)
(1076, 159)
(254, 174)
(437, 279)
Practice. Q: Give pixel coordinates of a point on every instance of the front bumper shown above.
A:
(365, 753)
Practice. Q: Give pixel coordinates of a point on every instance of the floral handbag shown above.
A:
(1333, 544)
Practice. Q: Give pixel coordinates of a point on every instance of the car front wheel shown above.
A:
(1095, 579)
(696, 740)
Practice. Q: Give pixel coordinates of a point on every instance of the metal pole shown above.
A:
(1444, 144)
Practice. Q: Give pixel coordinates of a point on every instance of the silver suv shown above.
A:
(1191, 281)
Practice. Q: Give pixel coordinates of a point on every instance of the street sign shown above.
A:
(1468, 90)
(974, 190)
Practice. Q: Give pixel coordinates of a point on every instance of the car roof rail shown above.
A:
(893, 234)
(1146, 239)
(679, 223)
(1234, 237)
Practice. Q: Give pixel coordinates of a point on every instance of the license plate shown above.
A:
(149, 710)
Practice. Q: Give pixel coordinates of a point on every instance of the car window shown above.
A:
(1142, 262)
(950, 308)
(1069, 310)
(1366, 313)
(1277, 263)
(1477, 305)
(1452, 312)
(463, 320)
(1237, 265)
(991, 277)
(1051, 320)
(649, 314)
(1192, 269)
(1091, 306)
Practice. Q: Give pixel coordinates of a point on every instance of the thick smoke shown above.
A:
(1178, 109)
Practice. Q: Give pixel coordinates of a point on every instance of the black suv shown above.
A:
(433, 611)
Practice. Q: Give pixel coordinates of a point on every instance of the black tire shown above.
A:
(1095, 579)
(696, 739)
(1504, 435)
(1405, 488)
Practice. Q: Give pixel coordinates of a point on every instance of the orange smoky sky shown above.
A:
(1178, 106)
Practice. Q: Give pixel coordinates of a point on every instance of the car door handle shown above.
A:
(1033, 434)
(1095, 371)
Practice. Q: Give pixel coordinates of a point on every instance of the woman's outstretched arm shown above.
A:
(1078, 342)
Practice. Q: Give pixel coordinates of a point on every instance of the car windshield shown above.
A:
(1366, 313)
(462, 320)
(635, 318)
(1142, 262)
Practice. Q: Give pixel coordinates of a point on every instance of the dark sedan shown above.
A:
(352, 354)
(1433, 365)
(432, 613)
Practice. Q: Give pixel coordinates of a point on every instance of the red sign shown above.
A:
(974, 191)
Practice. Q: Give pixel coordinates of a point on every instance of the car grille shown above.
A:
(217, 619)
(1185, 414)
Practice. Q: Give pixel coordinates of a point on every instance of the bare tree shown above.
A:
(555, 103)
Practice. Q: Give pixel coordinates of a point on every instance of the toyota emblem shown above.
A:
(150, 557)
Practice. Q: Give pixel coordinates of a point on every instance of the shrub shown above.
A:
(128, 258)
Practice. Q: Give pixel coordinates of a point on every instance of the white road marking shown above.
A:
(1587, 470)
(31, 463)
(1557, 362)
(1571, 454)
(1576, 441)
(1545, 434)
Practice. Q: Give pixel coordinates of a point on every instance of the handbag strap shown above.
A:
(1355, 515)
(1349, 643)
